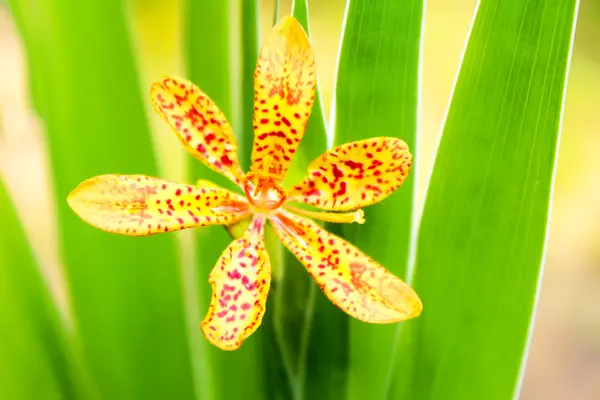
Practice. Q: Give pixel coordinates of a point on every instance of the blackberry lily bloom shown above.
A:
(344, 179)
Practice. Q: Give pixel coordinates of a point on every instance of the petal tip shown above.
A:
(74, 202)
(163, 79)
(84, 197)
(158, 84)
(225, 346)
(76, 196)
(417, 307)
(404, 300)
(290, 28)
(288, 22)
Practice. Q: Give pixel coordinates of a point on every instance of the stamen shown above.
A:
(342, 218)
(267, 168)
(232, 207)
(266, 195)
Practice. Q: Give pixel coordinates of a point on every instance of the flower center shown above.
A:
(265, 193)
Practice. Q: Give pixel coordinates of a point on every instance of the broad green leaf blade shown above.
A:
(483, 230)
(34, 345)
(126, 291)
(212, 52)
(377, 94)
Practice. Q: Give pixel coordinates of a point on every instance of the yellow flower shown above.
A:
(346, 178)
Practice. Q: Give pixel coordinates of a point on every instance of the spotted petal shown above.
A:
(198, 123)
(240, 283)
(137, 205)
(352, 281)
(355, 174)
(284, 87)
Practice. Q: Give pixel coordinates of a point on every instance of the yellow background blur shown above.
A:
(564, 361)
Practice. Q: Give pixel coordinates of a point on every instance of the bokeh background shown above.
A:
(564, 358)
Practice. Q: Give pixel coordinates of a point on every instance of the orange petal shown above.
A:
(198, 123)
(284, 86)
(355, 174)
(240, 284)
(352, 281)
(137, 205)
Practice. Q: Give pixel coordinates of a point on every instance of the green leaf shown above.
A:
(213, 43)
(126, 292)
(377, 94)
(35, 347)
(483, 231)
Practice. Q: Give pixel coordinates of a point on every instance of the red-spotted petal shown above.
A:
(240, 284)
(137, 205)
(350, 279)
(355, 174)
(284, 87)
(198, 123)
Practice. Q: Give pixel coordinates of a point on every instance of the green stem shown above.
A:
(305, 338)
(284, 348)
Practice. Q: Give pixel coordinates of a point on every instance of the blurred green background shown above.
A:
(564, 358)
